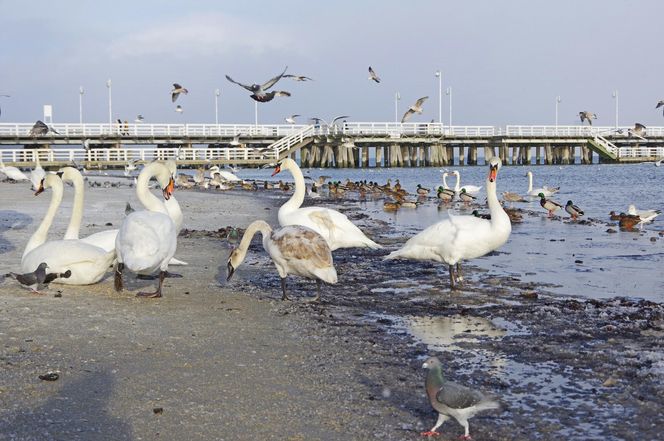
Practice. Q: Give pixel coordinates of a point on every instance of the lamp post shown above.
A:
(397, 97)
(439, 75)
(110, 105)
(615, 96)
(557, 102)
(217, 92)
(256, 112)
(448, 92)
(80, 105)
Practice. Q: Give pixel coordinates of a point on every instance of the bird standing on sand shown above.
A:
(587, 116)
(573, 210)
(415, 108)
(373, 76)
(453, 400)
(177, 90)
(259, 91)
(549, 204)
(34, 280)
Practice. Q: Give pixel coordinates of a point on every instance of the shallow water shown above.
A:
(542, 250)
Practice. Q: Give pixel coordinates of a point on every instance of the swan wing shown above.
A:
(146, 241)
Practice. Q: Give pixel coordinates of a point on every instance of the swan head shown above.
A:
(494, 166)
(277, 169)
(48, 181)
(234, 260)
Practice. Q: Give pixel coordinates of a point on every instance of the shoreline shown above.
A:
(348, 368)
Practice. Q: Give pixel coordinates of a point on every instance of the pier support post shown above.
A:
(379, 156)
(548, 154)
(462, 155)
(489, 152)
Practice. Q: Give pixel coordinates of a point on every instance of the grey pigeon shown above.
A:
(52, 276)
(34, 280)
(259, 91)
(40, 128)
(129, 209)
(453, 400)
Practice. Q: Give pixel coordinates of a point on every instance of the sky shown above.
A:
(505, 61)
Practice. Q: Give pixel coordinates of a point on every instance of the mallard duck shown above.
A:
(476, 213)
(397, 186)
(390, 206)
(573, 210)
(465, 197)
(615, 216)
(422, 191)
(408, 204)
(548, 204)
(514, 215)
(445, 194)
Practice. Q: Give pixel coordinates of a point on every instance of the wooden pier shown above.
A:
(349, 144)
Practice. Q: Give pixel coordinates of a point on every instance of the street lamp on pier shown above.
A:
(615, 96)
(80, 105)
(256, 112)
(558, 100)
(397, 97)
(439, 75)
(217, 92)
(110, 105)
(449, 93)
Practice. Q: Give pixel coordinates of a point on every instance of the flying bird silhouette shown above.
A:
(177, 90)
(589, 116)
(291, 119)
(415, 108)
(259, 91)
(373, 76)
(660, 103)
(298, 77)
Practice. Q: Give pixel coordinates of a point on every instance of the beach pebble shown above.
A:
(610, 382)
(611, 230)
(49, 376)
(158, 410)
(653, 239)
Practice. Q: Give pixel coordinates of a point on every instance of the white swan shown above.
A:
(87, 263)
(147, 239)
(293, 249)
(336, 229)
(37, 174)
(469, 188)
(535, 192)
(445, 186)
(223, 174)
(12, 172)
(461, 237)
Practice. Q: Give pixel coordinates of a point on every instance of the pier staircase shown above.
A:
(603, 147)
(291, 143)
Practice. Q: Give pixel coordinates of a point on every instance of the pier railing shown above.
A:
(581, 131)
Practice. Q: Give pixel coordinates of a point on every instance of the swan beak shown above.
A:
(168, 191)
(231, 271)
(277, 169)
(493, 172)
(40, 189)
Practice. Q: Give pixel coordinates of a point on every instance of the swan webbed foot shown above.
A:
(157, 293)
(118, 277)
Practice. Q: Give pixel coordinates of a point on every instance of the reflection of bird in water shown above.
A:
(587, 116)
(177, 90)
(415, 108)
(259, 91)
(373, 76)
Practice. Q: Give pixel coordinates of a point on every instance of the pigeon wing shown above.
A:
(239, 84)
(274, 80)
(456, 396)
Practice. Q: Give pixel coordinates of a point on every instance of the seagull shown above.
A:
(589, 116)
(5, 96)
(373, 76)
(34, 280)
(317, 120)
(259, 91)
(177, 90)
(291, 119)
(416, 108)
(639, 130)
(298, 77)
(453, 400)
(660, 103)
(179, 109)
(139, 118)
(645, 215)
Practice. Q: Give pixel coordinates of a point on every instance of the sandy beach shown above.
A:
(213, 360)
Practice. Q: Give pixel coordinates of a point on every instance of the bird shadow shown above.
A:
(11, 220)
(77, 409)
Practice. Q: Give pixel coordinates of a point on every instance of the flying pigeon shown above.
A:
(34, 280)
(373, 76)
(589, 116)
(177, 90)
(298, 77)
(453, 400)
(259, 91)
(415, 108)
(40, 128)
(268, 96)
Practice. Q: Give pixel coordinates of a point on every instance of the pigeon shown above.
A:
(573, 210)
(40, 128)
(660, 103)
(587, 116)
(259, 91)
(549, 204)
(139, 118)
(129, 209)
(177, 90)
(298, 77)
(179, 109)
(373, 76)
(268, 96)
(453, 400)
(34, 280)
(291, 119)
(415, 108)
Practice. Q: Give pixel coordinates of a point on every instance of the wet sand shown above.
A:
(216, 360)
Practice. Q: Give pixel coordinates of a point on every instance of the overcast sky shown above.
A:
(506, 61)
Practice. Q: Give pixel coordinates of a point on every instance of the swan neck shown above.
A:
(39, 236)
(457, 185)
(298, 197)
(252, 229)
(530, 182)
(149, 200)
(77, 209)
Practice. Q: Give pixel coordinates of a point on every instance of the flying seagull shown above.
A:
(34, 280)
(639, 131)
(416, 108)
(259, 91)
(589, 116)
(177, 90)
(179, 109)
(291, 119)
(298, 77)
(139, 118)
(453, 400)
(660, 103)
(373, 76)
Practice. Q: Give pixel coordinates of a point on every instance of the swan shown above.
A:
(469, 188)
(87, 263)
(336, 229)
(223, 174)
(12, 172)
(147, 239)
(535, 192)
(461, 237)
(294, 249)
(37, 174)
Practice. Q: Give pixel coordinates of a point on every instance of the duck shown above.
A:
(294, 249)
(391, 206)
(445, 194)
(472, 189)
(336, 228)
(460, 238)
(476, 213)
(87, 264)
(422, 191)
(573, 210)
(615, 216)
(645, 215)
(465, 196)
(408, 204)
(628, 221)
(535, 192)
(549, 204)
(512, 197)
(147, 239)
(12, 172)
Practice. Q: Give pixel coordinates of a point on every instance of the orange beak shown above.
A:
(493, 172)
(168, 191)
(277, 169)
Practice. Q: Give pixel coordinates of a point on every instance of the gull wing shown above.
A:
(421, 101)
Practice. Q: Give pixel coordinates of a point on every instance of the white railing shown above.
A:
(406, 129)
(284, 144)
(641, 152)
(608, 145)
(584, 131)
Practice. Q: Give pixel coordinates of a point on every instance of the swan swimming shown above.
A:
(461, 237)
(535, 192)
